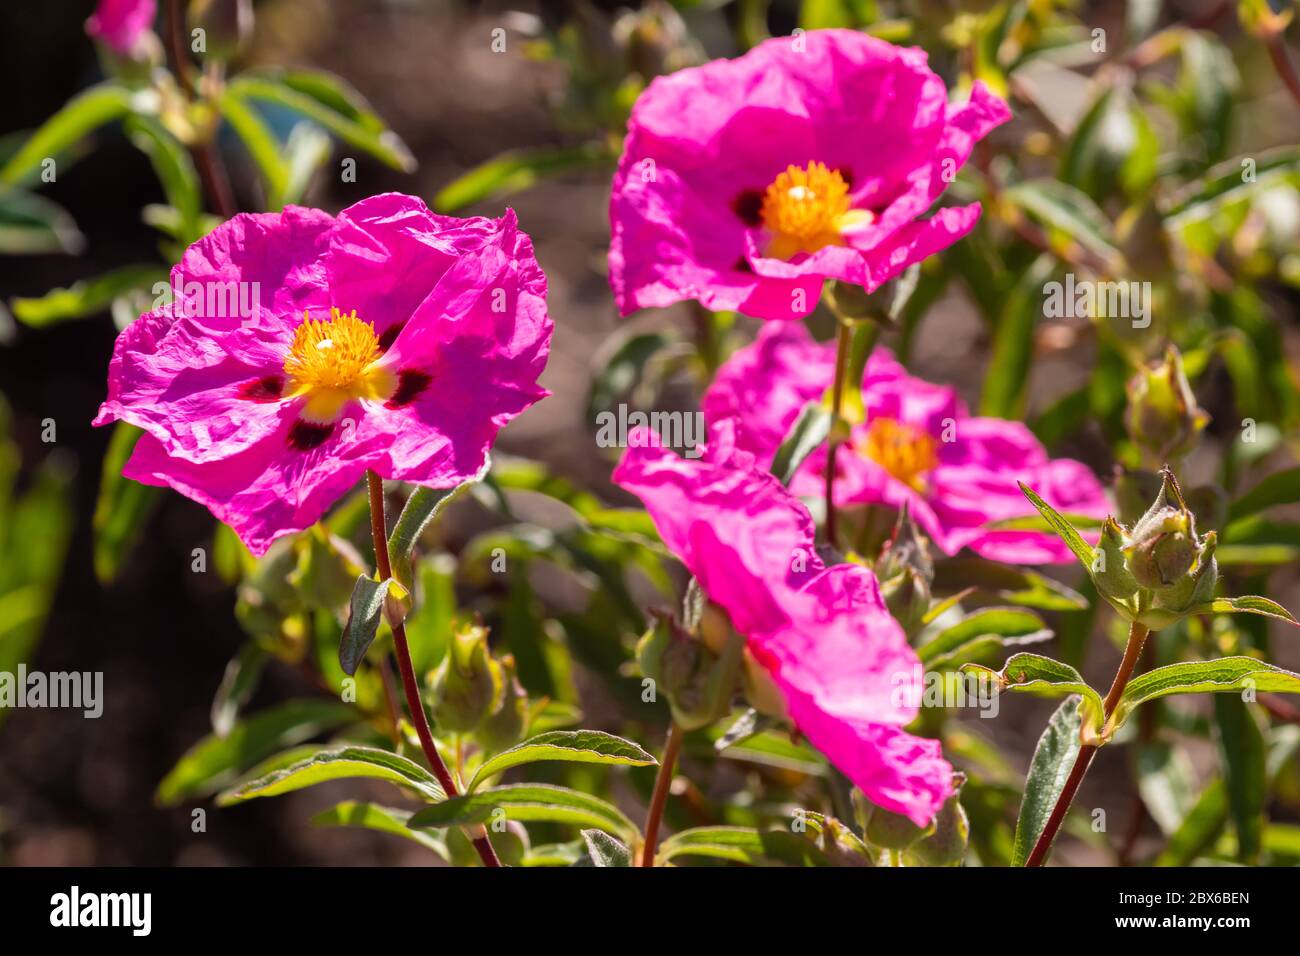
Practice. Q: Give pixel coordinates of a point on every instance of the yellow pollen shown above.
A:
(903, 450)
(807, 209)
(334, 361)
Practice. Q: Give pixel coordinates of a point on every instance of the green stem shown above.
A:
(843, 339)
(379, 532)
(659, 799)
(1137, 636)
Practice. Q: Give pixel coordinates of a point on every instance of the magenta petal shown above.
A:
(119, 23)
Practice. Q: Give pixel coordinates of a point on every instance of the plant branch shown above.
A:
(842, 341)
(659, 799)
(1282, 63)
(213, 175)
(1137, 635)
(379, 532)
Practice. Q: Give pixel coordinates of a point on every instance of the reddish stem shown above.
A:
(659, 799)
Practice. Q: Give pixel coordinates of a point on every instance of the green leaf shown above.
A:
(1203, 677)
(604, 850)
(237, 685)
(372, 816)
(262, 145)
(1015, 585)
(1279, 488)
(1001, 625)
(1044, 677)
(81, 114)
(805, 436)
(421, 508)
(1048, 770)
(175, 170)
(349, 124)
(621, 369)
(1068, 212)
(344, 763)
(305, 152)
(743, 845)
(528, 802)
(1064, 530)
(86, 298)
(1248, 604)
(123, 508)
(1007, 379)
(572, 746)
(1166, 781)
(1258, 540)
(216, 761)
(1241, 748)
(32, 225)
(514, 171)
(1199, 828)
(364, 613)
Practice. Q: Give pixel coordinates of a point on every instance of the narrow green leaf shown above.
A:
(364, 613)
(1066, 211)
(528, 802)
(33, 225)
(515, 171)
(237, 685)
(1006, 625)
(123, 508)
(216, 761)
(806, 435)
(81, 114)
(1203, 677)
(384, 144)
(604, 850)
(1166, 781)
(1199, 828)
(1064, 530)
(1249, 604)
(86, 298)
(572, 746)
(175, 170)
(341, 764)
(1048, 770)
(421, 508)
(1007, 379)
(372, 816)
(1279, 488)
(743, 845)
(262, 145)
(1044, 677)
(1241, 748)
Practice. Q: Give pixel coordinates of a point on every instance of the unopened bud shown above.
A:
(467, 685)
(226, 25)
(1162, 416)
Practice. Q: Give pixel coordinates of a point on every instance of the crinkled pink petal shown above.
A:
(842, 663)
(119, 23)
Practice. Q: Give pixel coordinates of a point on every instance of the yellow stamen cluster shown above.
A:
(807, 209)
(334, 361)
(903, 450)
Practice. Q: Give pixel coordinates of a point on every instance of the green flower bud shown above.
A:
(505, 726)
(893, 831)
(1163, 555)
(946, 846)
(1162, 416)
(1110, 567)
(905, 571)
(226, 25)
(697, 681)
(467, 685)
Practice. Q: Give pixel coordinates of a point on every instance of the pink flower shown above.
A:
(842, 665)
(119, 23)
(919, 445)
(303, 349)
(745, 183)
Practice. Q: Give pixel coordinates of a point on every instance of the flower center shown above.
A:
(333, 362)
(807, 209)
(905, 451)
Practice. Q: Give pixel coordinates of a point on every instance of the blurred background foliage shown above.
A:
(1152, 142)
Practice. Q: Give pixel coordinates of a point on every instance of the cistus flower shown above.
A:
(917, 446)
(820, 638)
(120, 23)
(745, 183)
(303, 349)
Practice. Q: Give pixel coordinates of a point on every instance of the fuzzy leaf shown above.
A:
(572, 746)
(340, 764)
(525, 802)
(1051, 765)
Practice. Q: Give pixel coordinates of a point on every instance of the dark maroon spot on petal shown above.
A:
(846, 174)
(390, 336)
(304, 435)
(742, 265)
(266, 389)
(410, 383)
(749, 207)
